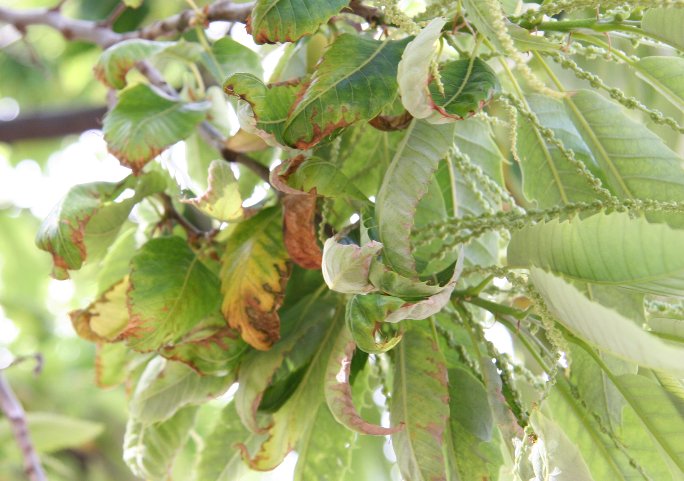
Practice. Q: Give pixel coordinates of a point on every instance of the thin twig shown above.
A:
(14, 412)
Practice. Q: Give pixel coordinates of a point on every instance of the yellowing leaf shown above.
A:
(222, 199)
(253, 278)
(106, 317)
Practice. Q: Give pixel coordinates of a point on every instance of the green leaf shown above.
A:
(393, 284)
(610, 249)
(404, 184)
(665, 24)
(211, 348)
(166, 386)
(419, 369)
(326, 178)
(133, 3)
(145, 121)
(599, 325)
(171, 291)
(287, 21)
(111, 364)
(220, 459)
(548, 177)
(468, 85)
(468, 404)
(222, 199)
(636, 163)
(150, 450)
(263, 369)
(338, 392)
(52, 432)
(365, 316)
(265, 108)
(666, 75)
(293, 422)
(346, 266)
(117, 60)
(228, 57)
(87, 220)
(354, 81)
(253, 277)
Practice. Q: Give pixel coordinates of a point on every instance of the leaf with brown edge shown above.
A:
(105, 318)
(211, 348)
(253, 276)
(117, 60)
(299, 230)
(338, 393)
(145, 121)
(111, 364)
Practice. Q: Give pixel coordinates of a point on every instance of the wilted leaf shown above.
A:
(288, 20)
(346, 266)
(299, 230)
(253, 276)
(338, 393)
(222, 199)
(145, 121)
(171, 291)
(365, 316)
(105, 318)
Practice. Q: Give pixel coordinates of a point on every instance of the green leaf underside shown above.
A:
(405, 183)
(171, 291)
(468, 84)
(666, 75)
(85, 223)
(634, 161)
(150, 450)
(598, 324)
(548, 177)
(346, 266)
(666, 24)
(605, 249)
(145, 121)
(253, 277)
(354, 81)
(166, 387)
(420, 369)
(288, 20)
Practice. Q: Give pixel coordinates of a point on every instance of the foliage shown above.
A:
(431, 170)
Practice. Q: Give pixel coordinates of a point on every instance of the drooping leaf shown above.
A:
(52, 432)
(264, 369)
(548, 176)
(420, 369)
(299, 230)
(606, 249)
(665, 24)
(635, 161)
(287, 21)
(145, 121)
(150, 450)
(265, 108)
(599, 325)
(171, 290)
(354, 81)
(253, 276)
(211, 348)
(666, 75)
(166, 386)
(87, 220)
(405, 183)
(338, 392)
(117, 60)
(220, 459)
(346, 266)
(222, 199)
(293, 421)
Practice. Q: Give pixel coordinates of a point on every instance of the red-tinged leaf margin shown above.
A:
(299, 231)
(338, 393)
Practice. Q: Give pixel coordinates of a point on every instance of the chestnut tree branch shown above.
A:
(43, 125)
(12, 409)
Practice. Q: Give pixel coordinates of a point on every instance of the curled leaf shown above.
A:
(106, 318)
(299, 230)
(346, 266)
(222, 199)
(393, 284)
(364, 319)
(338, 392)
